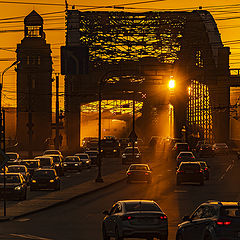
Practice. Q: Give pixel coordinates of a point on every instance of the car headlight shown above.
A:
(65, 164)
(137, 156)
(114, 150)
(34, 181)
(101, 150)
(17, 188)
(87, 161)
(57, 165)
(76, 164)
(52, 180)
(123, 156)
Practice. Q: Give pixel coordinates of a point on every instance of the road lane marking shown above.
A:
(226, 171)
(28, 236)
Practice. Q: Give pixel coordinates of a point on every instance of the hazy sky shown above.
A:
(225, 12)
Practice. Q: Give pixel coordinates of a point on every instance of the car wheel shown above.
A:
(104, 234)
(202, 183)
(117, 237)
(178, 182)
(207, 236)
(179, 237)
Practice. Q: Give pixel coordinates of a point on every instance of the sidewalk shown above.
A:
(59, 197)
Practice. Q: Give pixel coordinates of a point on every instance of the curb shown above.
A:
(5, 219)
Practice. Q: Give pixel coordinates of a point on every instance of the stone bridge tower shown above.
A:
(34, 85)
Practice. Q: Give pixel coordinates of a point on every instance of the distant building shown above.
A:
(34, 85)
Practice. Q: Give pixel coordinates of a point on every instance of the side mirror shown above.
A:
(186, 218)
(105, 212)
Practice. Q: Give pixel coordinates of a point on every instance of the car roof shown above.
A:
(7, 173)
(28, 160)
(195, 163)
(186, 152)
(139, 164)
(44, 156)
(44, 169)
(19, 165)
(136, 201)
(224, 203)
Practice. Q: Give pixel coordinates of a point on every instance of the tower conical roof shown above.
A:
(33, 19)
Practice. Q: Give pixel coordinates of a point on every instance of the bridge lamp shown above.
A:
(171, 84)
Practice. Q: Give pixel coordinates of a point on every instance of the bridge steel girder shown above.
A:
(152, 46)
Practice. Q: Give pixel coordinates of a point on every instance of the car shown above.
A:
(72, 163)
(206, 150)
(52, 151)
(124, 142)
(220, 148)
(93, 155)
(31, 164)
(16, 187)
(45, 178)
(131, 155)
(190, 172)
(205, 169)
(139, 172)
(180, 147)
(58, 162)
(46, 161)
(20, 169)
(13, 158)
(185, 157)
(135, 219)
(215, 220)
(85, 159)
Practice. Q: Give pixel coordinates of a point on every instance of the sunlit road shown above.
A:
(82, 218)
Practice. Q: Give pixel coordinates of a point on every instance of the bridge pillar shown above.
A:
(220, 97)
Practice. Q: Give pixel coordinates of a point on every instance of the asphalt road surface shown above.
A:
(81, 218)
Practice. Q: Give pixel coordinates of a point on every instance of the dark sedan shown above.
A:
(45, 179)
(135, 219)
(131, 155)
(190, 172)
(206, 150)
(139, 172)
(205, 169)
(72, 163)
(31, 164)
(85, 159)
(16, 187)
(93, 155)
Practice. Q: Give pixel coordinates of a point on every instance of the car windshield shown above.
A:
(31, 164)
(71, 159)
(140, 206)
(44, 173)
(130, 150)
(10, 179)
(12, 155)
(45, 161)
(16, 169)
(203, 164)
(230, 211)
(183, 146)
(190, 167)
(56, 159)
(92, 154)
(83, 156)
(186, 155)
(138, 167)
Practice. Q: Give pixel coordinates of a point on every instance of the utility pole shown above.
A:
(133, 127)
(56, 142)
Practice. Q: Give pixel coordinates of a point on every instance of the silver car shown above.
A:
(135, 219)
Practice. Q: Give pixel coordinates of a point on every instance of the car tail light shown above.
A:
(223, 223)
(179, 157)
(126, 218)
(188, 148)
(205, 168)
(129, 173)
(146, 174)
(200, 171)
(163, 217)
(180, 171)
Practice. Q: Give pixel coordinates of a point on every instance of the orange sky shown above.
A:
(229, 29)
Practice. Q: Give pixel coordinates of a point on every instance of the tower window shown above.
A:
(33, 31)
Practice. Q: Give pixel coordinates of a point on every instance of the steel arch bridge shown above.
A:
(139, 52)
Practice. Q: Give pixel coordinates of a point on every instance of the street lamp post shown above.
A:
(99, 176)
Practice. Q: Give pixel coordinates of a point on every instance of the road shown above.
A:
(81, 218)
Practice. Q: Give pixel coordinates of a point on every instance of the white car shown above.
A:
(134, 219)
